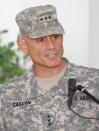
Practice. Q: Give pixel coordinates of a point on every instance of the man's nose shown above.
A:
(50, 42)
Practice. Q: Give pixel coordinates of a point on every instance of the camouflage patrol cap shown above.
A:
(39, 21)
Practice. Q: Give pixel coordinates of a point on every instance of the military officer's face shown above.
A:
(45, 51)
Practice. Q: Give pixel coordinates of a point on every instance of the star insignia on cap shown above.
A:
(49, 17)
(41, 19)
(45, 18)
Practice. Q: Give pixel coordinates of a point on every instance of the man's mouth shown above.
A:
(51, 55)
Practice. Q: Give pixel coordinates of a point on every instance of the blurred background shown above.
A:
(80, 19)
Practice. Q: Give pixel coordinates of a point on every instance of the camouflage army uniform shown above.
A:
(26, 107)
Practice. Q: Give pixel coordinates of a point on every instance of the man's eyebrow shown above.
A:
(43, 37)
(38, 38)
(55, 34)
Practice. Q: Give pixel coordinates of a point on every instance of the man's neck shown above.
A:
(41, 71)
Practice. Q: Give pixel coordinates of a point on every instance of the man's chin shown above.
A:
(53, 64)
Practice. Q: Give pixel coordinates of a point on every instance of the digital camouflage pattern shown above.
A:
(26, 107)
(39, 21)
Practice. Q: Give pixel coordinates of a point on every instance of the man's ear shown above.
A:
(22, 45)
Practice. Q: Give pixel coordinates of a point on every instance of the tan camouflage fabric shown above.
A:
(39, 21)
(26, 107)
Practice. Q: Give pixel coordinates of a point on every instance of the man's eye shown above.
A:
(40, 40)
(55, 36)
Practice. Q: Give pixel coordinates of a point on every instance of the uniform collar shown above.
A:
(60, 88)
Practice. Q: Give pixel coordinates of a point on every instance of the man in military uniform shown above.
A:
(37, 101)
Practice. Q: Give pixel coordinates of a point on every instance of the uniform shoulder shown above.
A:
(17, 89)
(84, 70)
(81, 70)
(17, 81)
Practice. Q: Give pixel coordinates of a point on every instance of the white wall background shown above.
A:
(94, 34)
(79, 18)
